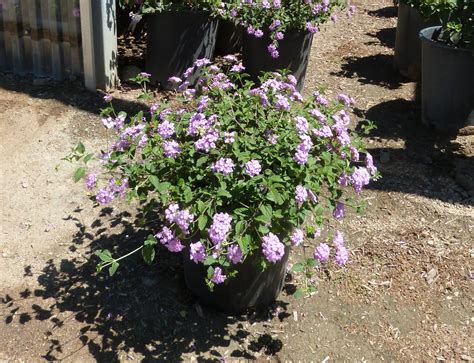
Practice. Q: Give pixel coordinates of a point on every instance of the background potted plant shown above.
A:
(413, 16)
(447, 89)
(231, 174)
(278, 34)
(179, 32)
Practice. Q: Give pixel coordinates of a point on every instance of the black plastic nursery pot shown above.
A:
(229, 38)
(175, 40)
(294, 52)
(250, 288)
(407, 54)
(447, 84)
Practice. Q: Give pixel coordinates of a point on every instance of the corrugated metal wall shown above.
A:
(42, 37)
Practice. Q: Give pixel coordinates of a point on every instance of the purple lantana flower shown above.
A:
(91, 181)
(360, 178)
(197, 252)
(218, 277)
(104, 196)
(253, 167)
(220, 227)
(338, 211)
(272, 248)
(297, 237)
(342, 255)
(171, 149)
(224, 166)
(234, 254)
(301, 194)
(166, 129)
(321, 253)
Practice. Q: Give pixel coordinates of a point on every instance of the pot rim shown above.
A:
(425, 36)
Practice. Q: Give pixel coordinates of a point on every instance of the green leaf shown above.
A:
(263, 229)
(150, 241)
(223, 193)
(104, 255)
(239, 227)
(113, 268)
(87, 158)
(80, 148)
(201, 206)
(311, 262)
(244, 243)
(148, 253)
(275, 196)
(187, 194)
(263, 218)
(202, 222)
(267, 211)
(299, 293)
(209, 261)
(298, 267)
(79, 174)
(201, 161)
(159, 187)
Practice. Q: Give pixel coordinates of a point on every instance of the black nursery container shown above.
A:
(229, 38)
(175, 40)
(447, 85)
(250, 288)
(407, 54)
(294, 52)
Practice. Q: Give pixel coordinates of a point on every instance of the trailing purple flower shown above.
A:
(253, 167)
(220, 227)
(321, 253)
(197, 252)
(272, 248)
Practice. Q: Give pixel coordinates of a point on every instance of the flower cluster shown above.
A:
(323, 251)
(271, 19)
(238, 168)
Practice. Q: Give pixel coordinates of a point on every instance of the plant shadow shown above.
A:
(141, 310)
(430, 161)
(385, 36)
(386, 12)
(363, 69)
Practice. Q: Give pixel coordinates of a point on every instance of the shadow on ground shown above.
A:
(387, 12)
(385, 37)
(429, 162)
(141, 310)
(373, 69)
(69, 93)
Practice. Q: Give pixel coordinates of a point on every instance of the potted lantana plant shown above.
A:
(413, 16)
(235, 171)
(278, 34)
(179, 32)
(447, 89)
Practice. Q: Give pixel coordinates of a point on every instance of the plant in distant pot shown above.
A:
(179, 32)
(278, 34)
(447, 89)
(235, 172)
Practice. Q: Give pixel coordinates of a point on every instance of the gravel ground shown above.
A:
(406, 294)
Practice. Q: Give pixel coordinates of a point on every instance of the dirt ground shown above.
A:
(406, 294)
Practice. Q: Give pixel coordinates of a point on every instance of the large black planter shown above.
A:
(175, 40)
(229, 38)
(447, 84)
(407, 55)
(250, 288)
(294, 52)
